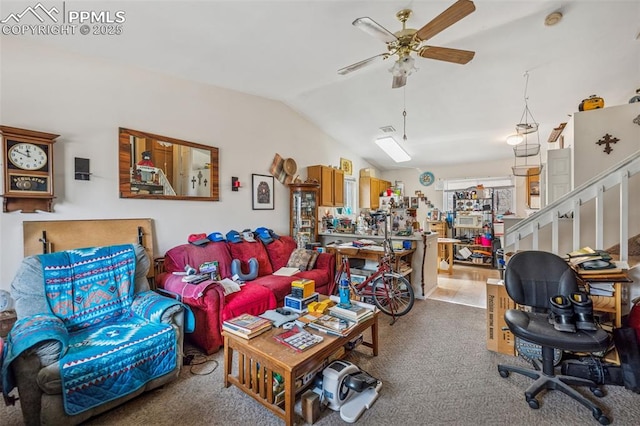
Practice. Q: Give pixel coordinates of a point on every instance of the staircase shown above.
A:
(166, 185)
(586, 201)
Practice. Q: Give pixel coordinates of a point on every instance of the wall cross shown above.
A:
(607, 140)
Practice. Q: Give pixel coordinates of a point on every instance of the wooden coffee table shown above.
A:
(259, 358)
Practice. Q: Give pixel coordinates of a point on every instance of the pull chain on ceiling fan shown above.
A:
(407, 40)
(404, 116)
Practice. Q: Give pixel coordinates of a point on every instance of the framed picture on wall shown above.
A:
(262, 192)
(346, 166)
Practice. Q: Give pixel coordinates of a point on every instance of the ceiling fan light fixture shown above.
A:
(403, 66)
(515, 139)
(393, 149)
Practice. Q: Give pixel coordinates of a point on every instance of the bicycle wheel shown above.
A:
(393, 294)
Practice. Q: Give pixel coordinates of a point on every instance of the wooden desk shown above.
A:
(445, 252)
(612, 304)
(369, 254)
(259, 358)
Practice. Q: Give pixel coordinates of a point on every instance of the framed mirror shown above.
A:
(159, 167)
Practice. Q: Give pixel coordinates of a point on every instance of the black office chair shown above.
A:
(531, 279)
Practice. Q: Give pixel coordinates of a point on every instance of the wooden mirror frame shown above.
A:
(125, 164)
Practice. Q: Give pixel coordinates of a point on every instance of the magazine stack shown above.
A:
(355, 312)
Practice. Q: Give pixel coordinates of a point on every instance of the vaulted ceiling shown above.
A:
(455, 114)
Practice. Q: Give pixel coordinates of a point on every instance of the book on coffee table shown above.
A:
(229, 329)
(353, 312)
(333, 325)
(247, 323)
(286, 272)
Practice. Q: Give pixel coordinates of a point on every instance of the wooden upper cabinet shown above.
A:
(331, 185)
(383, 185)
(338, 187)
(370, 190)
(369, 193)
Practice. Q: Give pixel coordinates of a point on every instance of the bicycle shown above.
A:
(391, 292)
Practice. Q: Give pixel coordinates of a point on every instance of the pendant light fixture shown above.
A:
(526, 141)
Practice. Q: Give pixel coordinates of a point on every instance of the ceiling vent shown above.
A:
(387, 129)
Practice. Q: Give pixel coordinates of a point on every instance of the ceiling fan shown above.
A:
(408, 40)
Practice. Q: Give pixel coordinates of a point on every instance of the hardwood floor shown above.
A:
(466, 286)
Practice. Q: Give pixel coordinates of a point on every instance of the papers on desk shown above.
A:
(374, 248)
(362, 243)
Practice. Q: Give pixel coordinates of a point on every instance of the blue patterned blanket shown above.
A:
(88, 286)
(106, 362)
(111, 350)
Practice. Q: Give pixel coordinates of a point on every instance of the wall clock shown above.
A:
(427, 178)
(28, 171)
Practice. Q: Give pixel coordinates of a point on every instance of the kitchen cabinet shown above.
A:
(370, 190)
(331, 182)
(303, 221)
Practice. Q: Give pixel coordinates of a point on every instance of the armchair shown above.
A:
(90, 334)
(531, 279)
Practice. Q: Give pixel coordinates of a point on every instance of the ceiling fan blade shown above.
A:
(398, 81)
(371, 27)
(358, 65)
(453, 14)
(446, 54)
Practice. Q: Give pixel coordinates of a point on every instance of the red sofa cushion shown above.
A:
(252, 299)
(280, 250)
(244, 251)
(176, 258)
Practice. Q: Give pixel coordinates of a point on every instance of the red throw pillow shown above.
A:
(244, 251)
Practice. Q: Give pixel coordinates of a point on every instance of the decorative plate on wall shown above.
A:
(427, 178)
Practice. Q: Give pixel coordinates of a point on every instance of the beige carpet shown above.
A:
(435, 370)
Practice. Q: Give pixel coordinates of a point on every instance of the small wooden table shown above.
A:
(613, 303)
(259, 358)
(445, 252)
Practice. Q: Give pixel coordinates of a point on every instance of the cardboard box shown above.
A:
(299, 305)
(368, 172)
(310, 406)
(499, 338)
(303, 288)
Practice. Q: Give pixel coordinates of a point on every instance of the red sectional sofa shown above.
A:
(207, 300)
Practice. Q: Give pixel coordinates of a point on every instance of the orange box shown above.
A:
(499, 338)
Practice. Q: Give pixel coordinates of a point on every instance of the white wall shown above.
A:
(590, 159)
(591, 126)
(85, 100)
